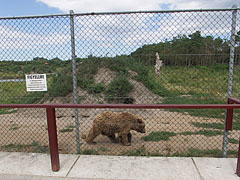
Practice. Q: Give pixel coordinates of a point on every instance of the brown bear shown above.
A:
(112, 124)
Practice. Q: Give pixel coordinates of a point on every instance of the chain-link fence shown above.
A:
(160, 57)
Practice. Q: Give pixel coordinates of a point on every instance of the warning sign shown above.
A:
(36, 82)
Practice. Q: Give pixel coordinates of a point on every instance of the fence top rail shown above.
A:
(156, 11)
(233, 100)
(125, 106)
(120, 12)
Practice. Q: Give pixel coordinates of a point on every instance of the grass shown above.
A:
(68, 128)
(165, 135)
(193, 152)
(96, 151)
(89, 152)
(233, 141)
(209, 125)
(136, 152)
(208, 80)
(197, 99)
(207, 133)
(33, 147)
(159, 135)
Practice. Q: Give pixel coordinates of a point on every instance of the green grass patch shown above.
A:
(102, 149)
(33, 147)
(68, 128)
(236, 121)
(193, 152)
(89, 152)
(159, 135)
(7, 111)
(197, 99)
(208, 133)
(136, 152)
(233, 141)
(209, 125)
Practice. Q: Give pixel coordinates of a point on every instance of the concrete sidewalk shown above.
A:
(34, 166)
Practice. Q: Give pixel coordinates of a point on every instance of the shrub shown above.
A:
(61, 85)
(118, 89)
(95, 88)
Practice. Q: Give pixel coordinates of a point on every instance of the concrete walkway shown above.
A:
(34, 166)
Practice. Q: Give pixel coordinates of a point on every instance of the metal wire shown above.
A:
(118, 58)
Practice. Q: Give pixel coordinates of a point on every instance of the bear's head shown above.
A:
(140, 126)
(136, 122)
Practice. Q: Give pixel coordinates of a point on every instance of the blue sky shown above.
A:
(42, 7)
(10, 8)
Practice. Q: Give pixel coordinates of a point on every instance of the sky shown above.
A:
(103, 35)
(43, 7)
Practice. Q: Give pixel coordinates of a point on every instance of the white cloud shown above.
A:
(111, 34)
(135, 5)
(11, 39)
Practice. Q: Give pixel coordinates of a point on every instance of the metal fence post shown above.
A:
(230, 78)
(74, 78)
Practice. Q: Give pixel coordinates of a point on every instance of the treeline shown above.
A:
(183, 50)
(193, 49)
(37, 65)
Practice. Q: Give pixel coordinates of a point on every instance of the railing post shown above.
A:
(238, 160)
(229, 117)
(53, 142)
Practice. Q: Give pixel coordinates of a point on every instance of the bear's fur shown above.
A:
(112, 124)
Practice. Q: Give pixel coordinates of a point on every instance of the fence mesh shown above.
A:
(130, 58)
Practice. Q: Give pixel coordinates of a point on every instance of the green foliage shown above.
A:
(118, 64)
(118, 89)
(62, 84)
(158, 136)
(95, 88)
(185, 50)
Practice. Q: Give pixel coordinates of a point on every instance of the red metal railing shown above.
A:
(52, 128)
(230, 115)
